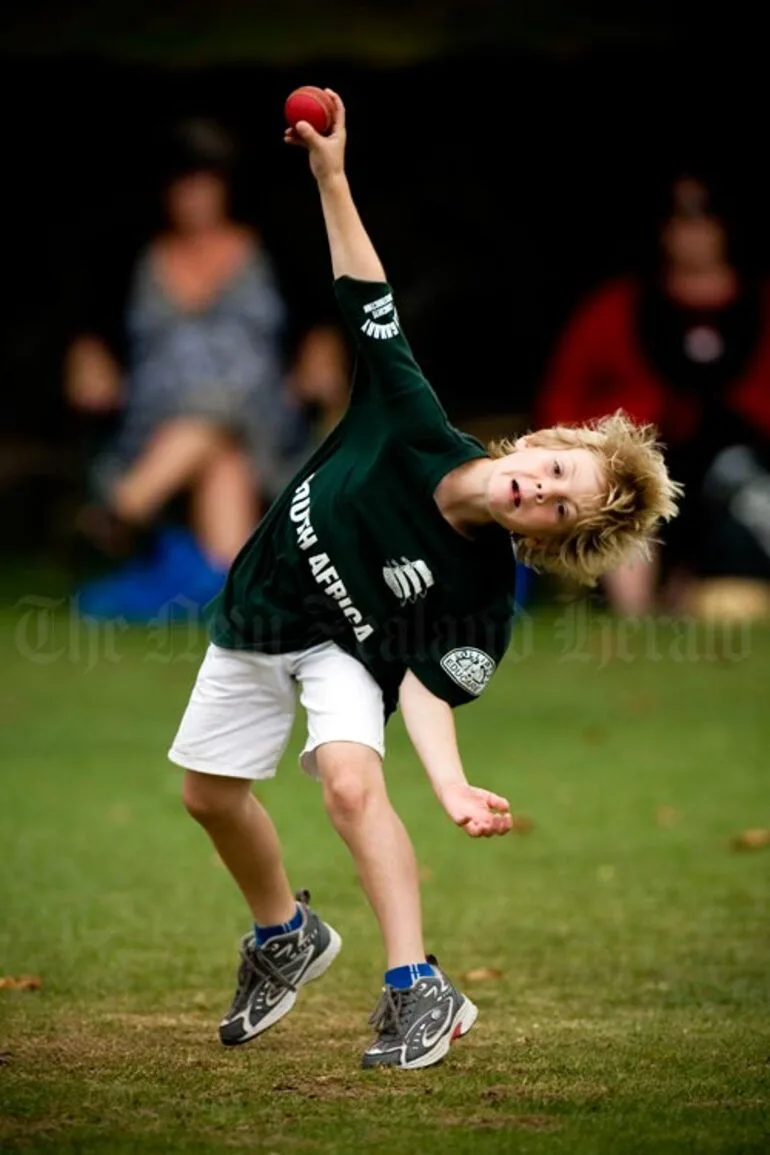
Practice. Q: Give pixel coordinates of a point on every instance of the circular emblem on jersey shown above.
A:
(469, 667)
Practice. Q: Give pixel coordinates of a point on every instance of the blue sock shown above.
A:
(407, 976)
(263, 933)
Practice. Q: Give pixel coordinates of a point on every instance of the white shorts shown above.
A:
(241, 710)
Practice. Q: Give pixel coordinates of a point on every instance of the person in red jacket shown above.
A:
(687, 350)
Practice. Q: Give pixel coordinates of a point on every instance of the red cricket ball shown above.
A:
(311, 104)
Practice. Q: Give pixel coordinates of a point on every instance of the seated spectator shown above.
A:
(687, 349)
(206, 410)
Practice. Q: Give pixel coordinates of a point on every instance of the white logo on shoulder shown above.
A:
(469, 667)
(408, 580)
(373, 326)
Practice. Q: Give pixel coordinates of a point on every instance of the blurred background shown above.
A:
(571, 201)
(571, 205)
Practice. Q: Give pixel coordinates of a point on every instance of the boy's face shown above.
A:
(541, 492)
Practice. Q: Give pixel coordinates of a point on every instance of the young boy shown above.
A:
(384, 575)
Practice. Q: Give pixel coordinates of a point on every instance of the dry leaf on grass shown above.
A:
(593, 735)
(641, 704)
(753, 839)
(22, 983)
(482, 975)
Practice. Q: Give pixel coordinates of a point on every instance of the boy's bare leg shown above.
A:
(246, 841)
(290, 946)
(415, 1024)
(359, 807)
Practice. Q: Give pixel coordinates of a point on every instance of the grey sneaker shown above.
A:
(270, 976)
(416, 1026)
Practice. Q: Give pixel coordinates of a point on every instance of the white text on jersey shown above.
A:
(324, 573)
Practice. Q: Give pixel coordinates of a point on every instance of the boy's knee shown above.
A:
(209, 797)
(352, 780)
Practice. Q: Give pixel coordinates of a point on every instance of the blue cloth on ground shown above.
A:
(176, 580)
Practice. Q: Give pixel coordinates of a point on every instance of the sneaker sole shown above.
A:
(318, 967)
(465, 1017)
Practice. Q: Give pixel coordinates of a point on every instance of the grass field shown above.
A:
(623, 943)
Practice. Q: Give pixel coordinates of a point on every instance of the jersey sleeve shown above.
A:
(462, 656)
(389, 365)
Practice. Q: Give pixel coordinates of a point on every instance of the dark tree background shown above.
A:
(505, 160)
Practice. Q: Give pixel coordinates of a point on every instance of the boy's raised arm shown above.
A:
(362, 290)
(352, 251)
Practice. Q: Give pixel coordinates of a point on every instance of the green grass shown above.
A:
(631, 1013)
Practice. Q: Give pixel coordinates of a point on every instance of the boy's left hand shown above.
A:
(481, 813)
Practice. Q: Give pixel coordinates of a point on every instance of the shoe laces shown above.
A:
(256, 965)
(391, 1011)
(392, 1007)
(261, 965)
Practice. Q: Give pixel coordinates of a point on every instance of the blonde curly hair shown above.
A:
(639, 495)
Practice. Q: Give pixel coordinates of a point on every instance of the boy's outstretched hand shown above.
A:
(481, 813)
(327, 153)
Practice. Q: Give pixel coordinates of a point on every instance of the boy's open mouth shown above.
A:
(516, 494)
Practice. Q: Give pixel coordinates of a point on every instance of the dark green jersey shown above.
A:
(356, 551)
